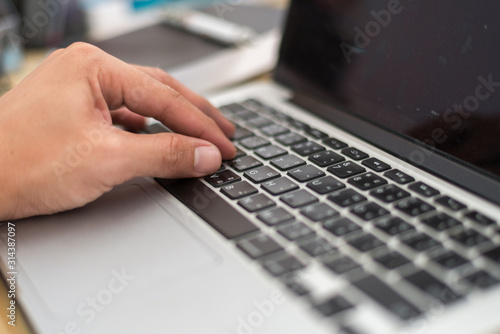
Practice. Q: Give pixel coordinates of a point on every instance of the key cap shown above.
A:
(392, 260)
(241, 133)
(270, 151)
(341, 265)
(305, 173)
(298, 124)
(493, 255)
(480, 218)
(450, 260)
(433, 287)
(259, 246)
(369, 211)
(319, 212)
(482, 279)
(259, 122)
(398, 176)
(315, 133)
(261, 174)
(354, 153)
(450, 203)
(244, 163)
(279, 267)
(254, 142)
(325, 185)
(333, 306)
(414, 206)
(365, 242)
(256, 202)
(387, 297)
(334, 143)
(286, 162)
(441, 222)
(295, 230)
(393, 225)
(307, 148)
(423, 189)
(238, 190)
(274, 130)
(470, 238)
(367, 181)
(346, 198)
(222, 178)
(317, 246)
(298, 198)
(290, 138)
(389, 193)
(275, 216)
(245, 114)
(346, 169)
(376, 165)
(209, 206)
(421, 242)
(341, 226)
(326, 158)
(279, 186)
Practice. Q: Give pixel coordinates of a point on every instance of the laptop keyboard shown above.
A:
(313, 201)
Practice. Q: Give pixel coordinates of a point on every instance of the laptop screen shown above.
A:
(427, 70)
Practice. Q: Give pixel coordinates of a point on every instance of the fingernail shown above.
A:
(207, 159)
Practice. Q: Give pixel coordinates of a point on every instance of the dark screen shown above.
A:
(428, 70)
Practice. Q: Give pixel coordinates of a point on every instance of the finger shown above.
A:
(123, 84)
(200, 102)
(167, 155)
(128, 119)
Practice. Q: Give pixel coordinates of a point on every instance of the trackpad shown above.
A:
(123, 237)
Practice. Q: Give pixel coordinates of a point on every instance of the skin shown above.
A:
(59, 149)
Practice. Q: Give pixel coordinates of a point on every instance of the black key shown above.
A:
(319, 212)
(365, 242)
(307, 148)
(298, 124)
(274, 130)
(259, 122)
(241, 133)
(334, 143)
(392, 260)
(279, 267)
(341, 226)
(341, 265)
(317, 246)
(367, 181)
(326, 158)
(256, 203)
(305, 173)
(421, 242)
(279, 186)
(261, 174)
(470, 238)
(480, 218)
(295, 230)
(387, 297)
(221, 178)
(252, 104)
(231, 108)
(482, 279)
(290, 138)
(245, 114)
(441, 222)
(298, 198)
(393, 225)
(254, 142)
(346, 169)
(287, 162)
(315, 133)
(493, 255)
(354, 153)
(369, 211)
(244, 163)
(325, 185)
(333, 306)
(238, 190)
(259, 246)
(297, 288)
(450, 203)
(270, 151)
(239, 153)
(389, 193)
(433, 287)
(210, 206)
(275, 216)
(423, 189)
(414, 206)
(376, 165)
(398, 176)
(450, 260)
(346, 198)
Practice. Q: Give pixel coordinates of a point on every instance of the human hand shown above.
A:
(59, 149)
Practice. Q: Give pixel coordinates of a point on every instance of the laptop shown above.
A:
(364, 198)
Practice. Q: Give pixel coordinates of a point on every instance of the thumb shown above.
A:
(168, 155)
